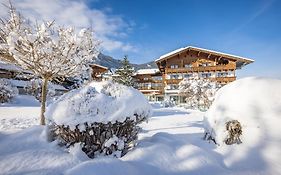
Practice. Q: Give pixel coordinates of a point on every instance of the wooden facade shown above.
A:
(173, 67)
(185, 62)
(150, 83)
(98, 71)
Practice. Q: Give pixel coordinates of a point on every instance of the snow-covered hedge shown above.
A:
(7, 91)
(102, 116)
(252, 103)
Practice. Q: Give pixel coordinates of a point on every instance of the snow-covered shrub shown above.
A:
(168, 103)
(102, 116)
(7, 91)
(198, 92)
(251, 105)
(34, 88)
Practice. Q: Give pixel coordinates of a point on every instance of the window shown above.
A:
(157, 78)
(156, 84)
(205, 64)
(206, 75)
(174, 76)
(147, 84)
(174, 66)
(174, 86)
(188, 65)
(222, 74)
(187, 75)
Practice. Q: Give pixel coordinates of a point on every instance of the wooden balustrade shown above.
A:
(201, 69)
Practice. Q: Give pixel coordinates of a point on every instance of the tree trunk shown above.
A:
(43, 100)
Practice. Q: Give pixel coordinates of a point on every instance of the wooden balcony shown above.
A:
(201, 69)
(150, 80)
(225, 79)
(173, 81)
(150, 90)
(218, 79)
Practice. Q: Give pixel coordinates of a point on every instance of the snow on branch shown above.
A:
(47, 50)
(198, 92)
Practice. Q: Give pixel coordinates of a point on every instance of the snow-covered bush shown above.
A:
(34, 88)
(198, 92)
(7, 91)
(102, 116)
(251, 107)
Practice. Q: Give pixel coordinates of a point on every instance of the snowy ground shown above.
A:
(21, 113)
(170, 143)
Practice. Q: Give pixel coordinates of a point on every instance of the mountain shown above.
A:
(110, 62)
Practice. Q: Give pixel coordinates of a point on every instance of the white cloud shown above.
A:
(109, 28)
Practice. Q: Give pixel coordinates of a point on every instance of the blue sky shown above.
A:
(245, 28)
(147, 29)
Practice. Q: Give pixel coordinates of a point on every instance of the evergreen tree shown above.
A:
(124, 75)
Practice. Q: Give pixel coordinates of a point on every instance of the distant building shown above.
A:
(150, 83)
(162, 83)
(20, 78)
(99, 72)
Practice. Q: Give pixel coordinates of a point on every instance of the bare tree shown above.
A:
(48, 51)
(198, 92)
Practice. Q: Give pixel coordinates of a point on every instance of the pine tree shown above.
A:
(124, 75)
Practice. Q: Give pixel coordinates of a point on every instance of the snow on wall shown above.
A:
(98, 102)
(256, 104)
(147, 71)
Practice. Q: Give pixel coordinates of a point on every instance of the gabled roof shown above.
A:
(100, 66)
(12, 67)
(177, 51)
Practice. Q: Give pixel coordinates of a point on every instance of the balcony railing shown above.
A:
(173, 81)
(160, 88)
(218, 79)
(201, 69)
(225, 79)
(150, 80)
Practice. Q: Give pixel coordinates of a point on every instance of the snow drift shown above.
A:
(256, 104)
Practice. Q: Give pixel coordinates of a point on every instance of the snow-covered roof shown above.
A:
(147, 71)
(206, 51)
(11, 67)
(99, 66)
(171, 53)
(7, 66)
(22, 83)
